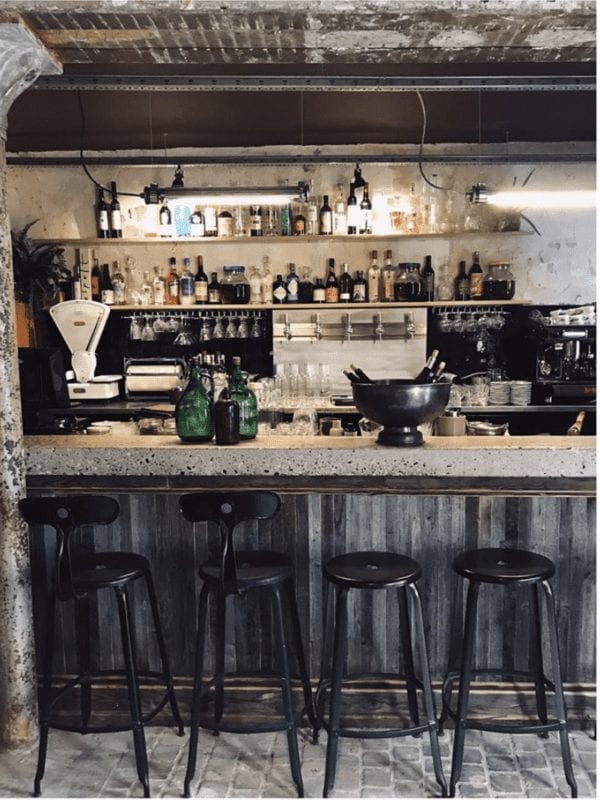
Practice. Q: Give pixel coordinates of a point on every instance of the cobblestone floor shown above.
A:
(256, 765)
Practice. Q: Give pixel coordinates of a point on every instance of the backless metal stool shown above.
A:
(375, 571)
(522, 569)
(237, 573)
(78, 576)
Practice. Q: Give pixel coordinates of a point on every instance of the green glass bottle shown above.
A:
(193, 412)
(246, 399)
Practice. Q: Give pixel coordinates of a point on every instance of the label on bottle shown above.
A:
(319, 294)
(311, 217)
(279, 294)
(188, 290)
(174, 289)
(225, 226)
(476, 284)
(374, 285)
(299, 225)
(359, 293)
(326, 223)
(365, 223)
(103, 220)
(210, 221)
(115, 220)
(95, 285)
(201, 291)
(255, 224)
(345, 296)
(107, 296)
(388, 284)
(353, 218)
(332, 294)
(196, 228)
(292, 290)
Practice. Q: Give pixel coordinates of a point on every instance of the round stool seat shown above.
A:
(500, 565)
(108, 569)
(254, 568)
(372, 569)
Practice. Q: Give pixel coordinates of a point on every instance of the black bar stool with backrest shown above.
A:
(377, 571)
(78, 576)
(235, 573)
(504, 567)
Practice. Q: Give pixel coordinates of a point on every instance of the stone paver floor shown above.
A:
(256, 765)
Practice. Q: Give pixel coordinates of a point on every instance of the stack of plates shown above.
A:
(499, 393)
(520, 393)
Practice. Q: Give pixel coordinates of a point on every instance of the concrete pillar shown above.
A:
(23, 59)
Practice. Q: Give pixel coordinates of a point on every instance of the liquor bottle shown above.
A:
(407, 285)
(194, 413)
(197, 223)
(412, 215)
(147, 290)
(115, 214)
(214, 289)
(210, 221)
(444, 289)
(332, 290)
(102, 216)
(325, 218)
(353, 211)
(475, 278)
(279, 290)
(256, 221)
(225, 224)
(291, 285)
(439, 371)
(339, 213)
(345, 285)
(360, 374)
(427, 374)
(246, 400)
(365, 225)
(255, 282)
(359, 288)
(389, 278)
(299, 224)
(305, 287)
(119, 285)
(312, 217)
(187, 284)
(227, 419)
(165, 220)
(319, 291)
(461, 284)
(373, 279)
(96, 280)
(427, 281)
(159, 286)
(172, 298)
(285, 220)
(107, 294)
(266, 289)
(201, 283)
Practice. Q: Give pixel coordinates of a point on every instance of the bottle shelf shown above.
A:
(317, 307)
(213, 240)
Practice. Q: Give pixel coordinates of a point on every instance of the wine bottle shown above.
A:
(427, 374)
(427, 281)
(351, 376)
(227, 419)
(165, 220)
(325, 218)
(214, 289)
(115, 214)
(475, 278)
(360, 374)
(172, 298)
(187, 284)
(365, 225)
(353, 211)
(461, 284)
(345, 285)
(332, 290)
(102, 216)
(439, 371)
(256, 221)
(96, 280)
(107, 294)
(197, 223)
(201, 283)
(359, 288)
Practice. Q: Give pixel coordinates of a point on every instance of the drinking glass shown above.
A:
(135, 329)
(148, 333)
(243, 331)
(219, 329)
(231, 331)
(205, 331)
(256, 330)
(324, 381)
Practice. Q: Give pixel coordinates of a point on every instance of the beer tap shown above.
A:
(318, 328)
(287, 328)
(379, 329)
(349, 328)
(409, 323)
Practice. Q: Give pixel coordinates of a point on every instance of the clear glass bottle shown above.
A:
(374, 279)
(339, 212)
(246, 400)
(187, 284)
(159, 286)
(193, 412)
(312, 217)
(412, 215)
(255, 282)
(119, 286)
(172, 283)
(388, 278)
(147, 290)
(266, 289)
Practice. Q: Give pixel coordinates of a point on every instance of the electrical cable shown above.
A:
(420, 162)
(81, 158)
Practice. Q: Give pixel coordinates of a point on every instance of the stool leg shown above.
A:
(83, 608)
(198, 690)
(427, 690)
(306, 688)
(409, 668)
(45, 694)
(326, 654)
(164, 658)
(465, 682)
(456, 635)
(221, 627)
(339, 659)
(286, 691)
(537, 659)
(561, 712)
(139, 739)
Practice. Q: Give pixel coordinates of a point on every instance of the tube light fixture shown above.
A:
(227, 195)
(532, 198)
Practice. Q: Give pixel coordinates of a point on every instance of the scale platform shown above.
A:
(101, 387)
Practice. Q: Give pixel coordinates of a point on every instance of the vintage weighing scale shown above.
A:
(81, 323)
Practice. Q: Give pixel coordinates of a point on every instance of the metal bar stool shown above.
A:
(376, 571)
(236, 573)
(78, 576)
(505, 567)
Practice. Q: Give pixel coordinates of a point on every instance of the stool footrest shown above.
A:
(517, 727)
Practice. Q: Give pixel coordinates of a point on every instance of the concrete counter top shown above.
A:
(448, 464)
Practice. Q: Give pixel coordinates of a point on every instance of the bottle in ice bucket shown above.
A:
(429, 373)
(193, 412)
(245, 398)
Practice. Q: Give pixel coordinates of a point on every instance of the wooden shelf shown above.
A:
(318, 307)
(244, 240)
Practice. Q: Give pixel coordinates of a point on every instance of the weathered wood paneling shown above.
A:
(313, 528)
